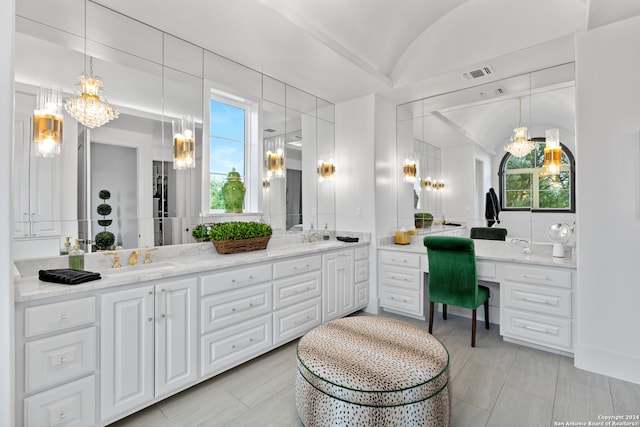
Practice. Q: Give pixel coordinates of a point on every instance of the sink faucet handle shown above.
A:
(116, 258)
(147, 255)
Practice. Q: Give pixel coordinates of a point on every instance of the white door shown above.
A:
(175, 334)
(126, 371)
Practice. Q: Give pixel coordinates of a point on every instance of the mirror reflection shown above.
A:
(154, 80)
(466, 133)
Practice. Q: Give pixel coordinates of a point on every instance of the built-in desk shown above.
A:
(532, 292)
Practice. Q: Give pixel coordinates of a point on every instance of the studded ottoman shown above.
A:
(372, 371)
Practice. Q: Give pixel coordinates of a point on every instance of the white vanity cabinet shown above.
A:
(57, 353)
(148, 349)
(361, 279)
(236, 324)
(536, 305)
(297, 288)
(338, 292)
(401, 289)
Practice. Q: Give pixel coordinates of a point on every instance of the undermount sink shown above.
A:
(136, 270)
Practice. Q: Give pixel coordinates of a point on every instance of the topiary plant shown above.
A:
(104, 239)
(239, 230)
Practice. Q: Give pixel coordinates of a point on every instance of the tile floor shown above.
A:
(495, 384)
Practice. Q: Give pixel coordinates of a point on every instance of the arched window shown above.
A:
(524, 185)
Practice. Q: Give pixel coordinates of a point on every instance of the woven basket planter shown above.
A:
(237, 246)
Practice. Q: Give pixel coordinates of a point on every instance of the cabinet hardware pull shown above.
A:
(533, 328)
(233, 346)
(162, 315)
(250, 339)
(528, 276)
(149, 319)
(63, 415)
(150, 293)
(63, 317)
(539, 301)
(63, 359)
(162, 290)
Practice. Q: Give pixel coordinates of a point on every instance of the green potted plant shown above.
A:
(237, 236)
(201, 232)
(105, 239)
(423, 219)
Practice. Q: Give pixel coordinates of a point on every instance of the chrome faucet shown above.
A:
(133, 257)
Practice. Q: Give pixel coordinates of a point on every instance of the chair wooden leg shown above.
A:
(430, 317)
(486, 314)
(444, 311)
(473, 328)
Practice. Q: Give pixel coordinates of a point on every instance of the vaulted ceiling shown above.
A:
(403, 50)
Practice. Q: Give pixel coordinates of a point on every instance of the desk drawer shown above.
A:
(538, 276)
(401, 300)
(56, 359)
(544, 330)
(407, 278)
(61, 315)
(400, 258)
(537, 299)
(71, 404)
(236, 278)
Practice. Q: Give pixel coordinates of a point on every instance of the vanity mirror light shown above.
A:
(460, 135)
(153, 79)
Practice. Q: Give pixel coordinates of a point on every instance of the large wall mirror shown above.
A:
(154, 80)
(459, 137)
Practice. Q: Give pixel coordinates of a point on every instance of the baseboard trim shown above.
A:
(600, 361)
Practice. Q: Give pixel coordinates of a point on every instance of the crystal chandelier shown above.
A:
(47, 121)
(520, 144)
(90, 108)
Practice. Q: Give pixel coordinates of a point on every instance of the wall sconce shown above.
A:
(409, 169)
(47, 121)
(426, 183)
(326, 169)
(438, 185)
(274, 158)
(552, 152)
(184, 144)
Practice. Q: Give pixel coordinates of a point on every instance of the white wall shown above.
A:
(387, 168)
(458, 174)
(7, 385)
(608, 199)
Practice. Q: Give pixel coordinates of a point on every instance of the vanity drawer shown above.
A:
(296, 289)
(402, 300)
(236, 344)
(361, 270)
(56, 359)
(294, 321)
(233, 279)
(71, 404)
(361, 252)
(407, 278)
(538, 299)
(362, 294)
(539, 276)
(61, 315)
(231, 307)
(296, 266)
(400, 258)
(544, 330)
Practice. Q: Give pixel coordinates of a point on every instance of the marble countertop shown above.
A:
(539, 254)
(170, 261)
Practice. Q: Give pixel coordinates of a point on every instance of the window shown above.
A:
(228, 146)
(524, 184)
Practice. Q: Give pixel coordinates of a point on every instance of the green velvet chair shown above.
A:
(488, 233)
(453, 279)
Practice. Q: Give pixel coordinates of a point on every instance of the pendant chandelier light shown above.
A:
(184, 144)
(90, 108)
(520, 144)
(552, 152)
(47, 121)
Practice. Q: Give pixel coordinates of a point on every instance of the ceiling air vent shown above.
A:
(500, 91)
(270, 130)
(480, 72)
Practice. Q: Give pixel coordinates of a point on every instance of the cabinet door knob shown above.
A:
(63, 415)
(63, 317)
(149, 319)
(63, 359)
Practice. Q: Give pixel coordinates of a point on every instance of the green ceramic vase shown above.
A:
(233, 192)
